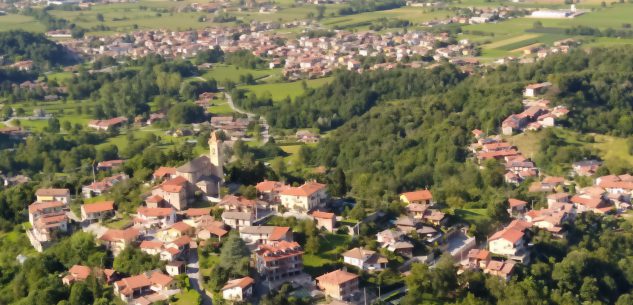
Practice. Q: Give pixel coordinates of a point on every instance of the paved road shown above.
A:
(263, 123)
(193, 272)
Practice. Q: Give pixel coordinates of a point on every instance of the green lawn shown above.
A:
(189, 297)
(221, 72)
(279, 91)
(220, 107)
(122, 223)
(415, 15)
(472, 216)
(331, 246)
(20, 22)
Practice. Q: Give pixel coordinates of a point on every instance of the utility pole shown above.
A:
(365, 294)
(94, 177)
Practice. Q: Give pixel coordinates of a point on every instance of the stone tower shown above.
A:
(215, 155)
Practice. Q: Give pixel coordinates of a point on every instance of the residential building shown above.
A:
(143, 284)
(53, 194)
(265, 234)
(238, 289)
(419, 197)
(511, 241)
(339, 285)
(325, 220)
(76, 273)
(534, 90)
(117, 240)
(364, 259)
(48, 220)
(279, 261)
(238, 220)
(304, 198)
(153, 218)
(97, 211)
(270, 190)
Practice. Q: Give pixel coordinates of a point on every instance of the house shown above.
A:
(237, 220)
(403, 248)
(176, 192)
(98, 188)
(510, 241)
(151, 247)
(407, 224)
(117, 240)
(164, 173)
(270, 190)
(586, 167)
(76, 273)
(106, 125)
(534, 90)
(177, 230)
(265, 234)
(420, 197)
(389, 236)
(237, 204)
(109, 165)
(584, 203)
(339, 285)
(238, 289)
(478, 258)
(306, 197)
(155, 217)
(47, 219)
(516, 206)
(504, 269)
(145, 283)
(175, 268)
(212, 231)
(53, 194)
(364, 259)
(97, 211)
(279, 261)
(325, 220)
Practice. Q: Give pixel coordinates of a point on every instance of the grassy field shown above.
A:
(226, 72)
(415, 15)
(188, 297)
(19, 22)
(280, 91)
(332, 245)
(472, 216)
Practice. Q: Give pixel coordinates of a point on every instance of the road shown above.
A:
(262, 120)
(193, 272)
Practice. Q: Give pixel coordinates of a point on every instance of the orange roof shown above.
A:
(181, 227)
(164, 171)
(480, 254)
(39, 206)
(337, 277)
(516, 202)
(271, 186)
(305, 190)
(588, 202)
(181, 241)
(174, 185)
(126, 235)
(52, 192)
(154, 212)
(278, 233)
(148, 244)
(96, 207)
(418, 195)
(554, 180)
(217, 231)
(79, 272)
(324, 215)
(242, 283)
(197, 212)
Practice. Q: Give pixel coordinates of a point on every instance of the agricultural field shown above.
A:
(279, 91)
(19, 22)
(415, 15)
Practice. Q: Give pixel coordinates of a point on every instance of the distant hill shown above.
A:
(20, 45)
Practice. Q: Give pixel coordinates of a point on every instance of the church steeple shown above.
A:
(215, 154)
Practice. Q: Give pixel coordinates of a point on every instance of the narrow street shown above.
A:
(195, 277)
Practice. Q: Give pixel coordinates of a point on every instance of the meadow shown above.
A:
(279, 91)
(19, 22)
(221, 72)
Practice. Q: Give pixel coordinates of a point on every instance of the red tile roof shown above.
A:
(418, 195)
(96, 207)
(164, 171)
(323, 215)
(243, 283)
(114, 235)
(305, 190)
(337, 277)
(174, 185)
(154, 212)
(516, 202)
(52, 192)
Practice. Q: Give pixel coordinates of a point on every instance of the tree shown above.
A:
(358, 212)
(338, 185)
(80, 295)
(312, 244)
(100, 17)
(279, 166)
(186, 113)
(53, 125)
(498, 211)
(234, 255)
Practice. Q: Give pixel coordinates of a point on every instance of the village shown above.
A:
(171, 226)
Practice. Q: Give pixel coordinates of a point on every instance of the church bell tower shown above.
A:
(215, 155)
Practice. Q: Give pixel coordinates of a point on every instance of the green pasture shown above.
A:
(279, 91)
(221, 72)
(20, 22)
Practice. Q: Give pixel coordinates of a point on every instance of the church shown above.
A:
(198, 179)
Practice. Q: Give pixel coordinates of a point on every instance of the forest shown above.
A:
(21, 45)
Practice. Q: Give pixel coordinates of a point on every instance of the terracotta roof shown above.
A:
(305, 190)
(241, 282)
(278, 233)
(52, 192)
(96, 207)
(39, 206)
(237, 201)
(181, 241)
(164, 171)
(516, 202)
(174, 185)
(114, 235)
(337, 277)
(192, 212)
(323, 215)
(553, 180)
(149, 244)
(418, 195)
(278, 250)
(181, 227)
(480, 254)
(217, 231)
(154, 199)
(154, 212)
(588, 202)
(271, 186)
(79, 272)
